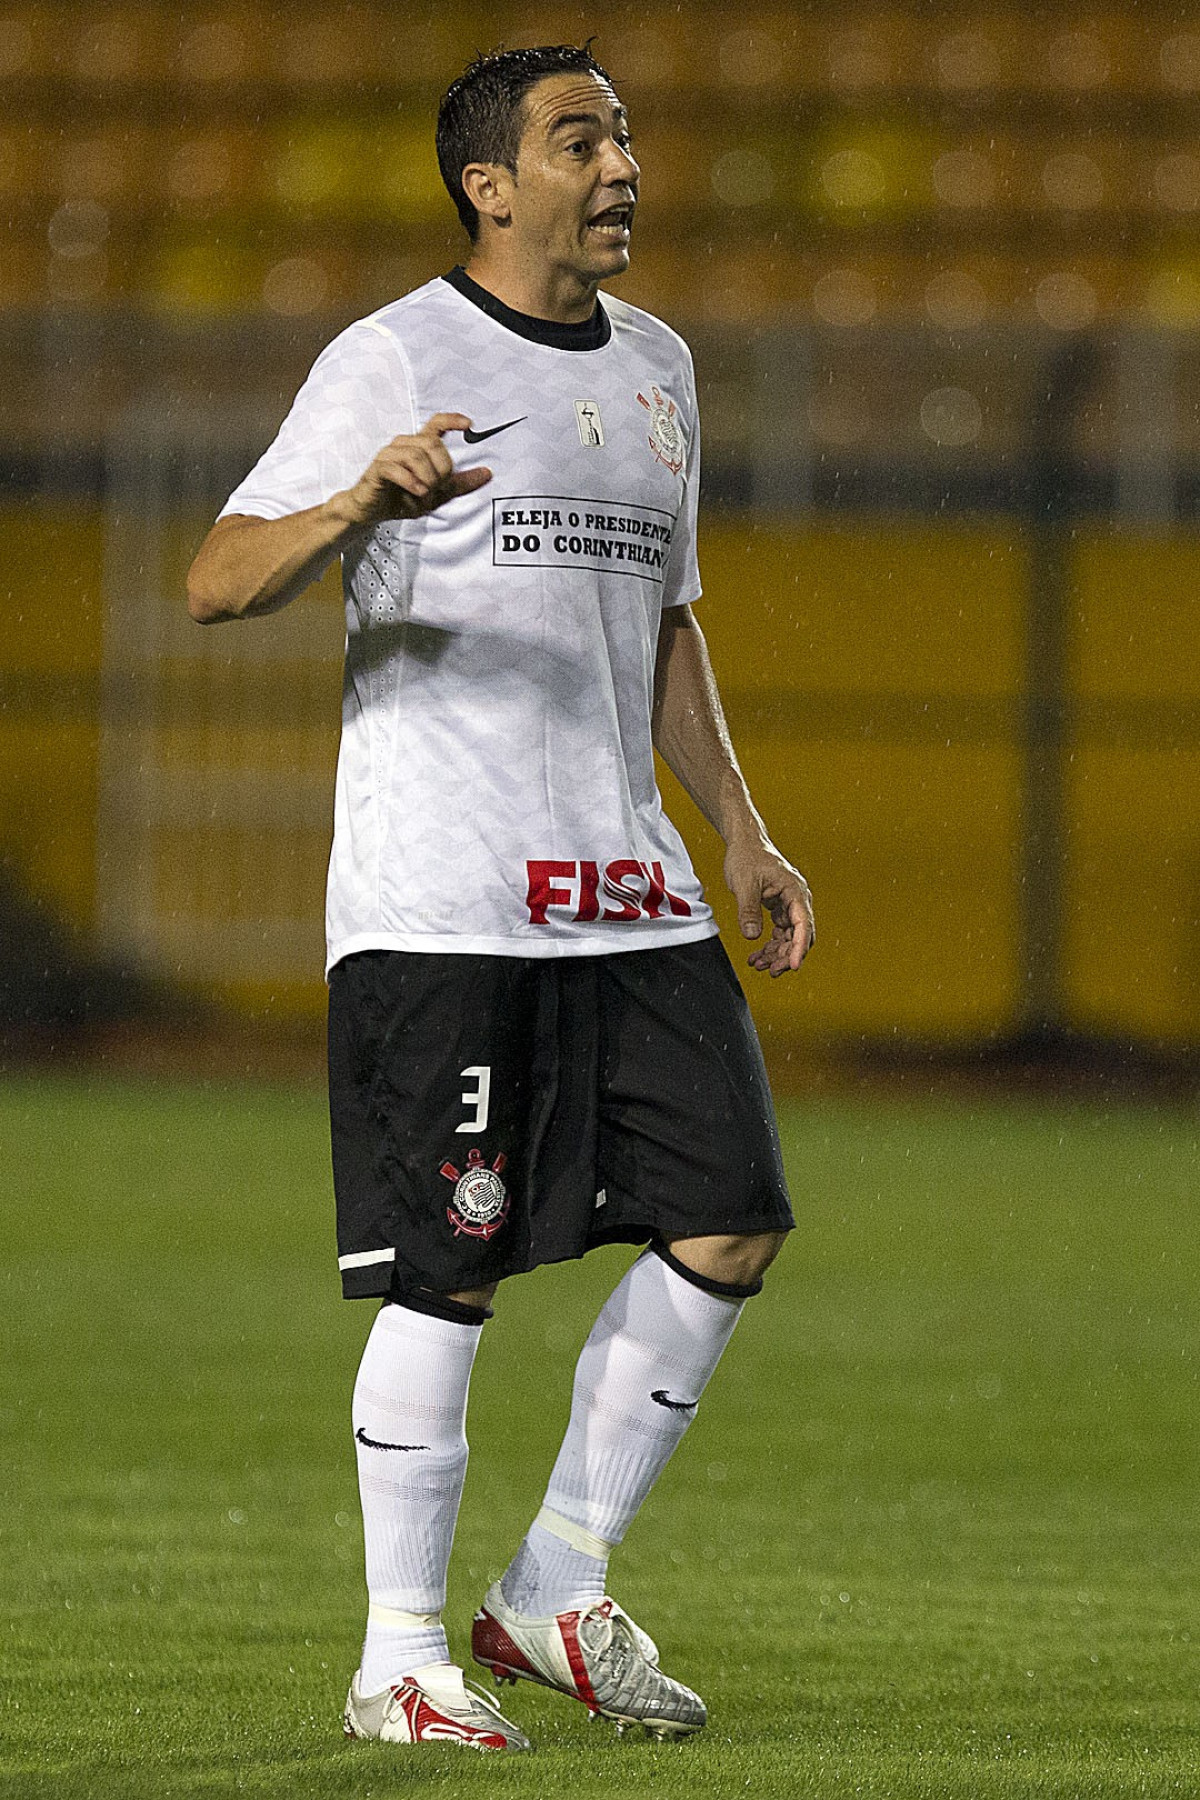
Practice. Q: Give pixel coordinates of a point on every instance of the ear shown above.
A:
(488, 186)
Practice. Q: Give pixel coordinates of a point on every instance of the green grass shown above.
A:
(934, 1532)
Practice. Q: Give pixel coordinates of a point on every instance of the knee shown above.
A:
(741, 1259)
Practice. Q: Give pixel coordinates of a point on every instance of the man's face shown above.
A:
(576, 188)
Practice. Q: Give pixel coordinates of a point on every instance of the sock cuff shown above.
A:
(402, 1621)
(708, 1284)
(578, 1536)
(437, 1306)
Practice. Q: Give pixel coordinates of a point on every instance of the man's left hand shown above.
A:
(760, 879)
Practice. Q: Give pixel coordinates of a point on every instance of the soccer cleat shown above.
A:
(597, 1655)
(433, 1705)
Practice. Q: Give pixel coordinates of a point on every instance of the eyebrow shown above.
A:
(585, 118)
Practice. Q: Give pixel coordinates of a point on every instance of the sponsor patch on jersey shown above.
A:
(481, 1202)
(550, 531)
(621, 892)
(666, 438)
(591, 425)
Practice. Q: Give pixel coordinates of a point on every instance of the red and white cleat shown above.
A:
(433, 1705)
(597, 1655)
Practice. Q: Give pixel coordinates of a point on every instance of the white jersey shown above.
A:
(496, 789)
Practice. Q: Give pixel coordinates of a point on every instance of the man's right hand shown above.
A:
(412, 476)
(248, 566)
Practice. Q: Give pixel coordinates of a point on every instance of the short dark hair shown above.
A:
(480, 118)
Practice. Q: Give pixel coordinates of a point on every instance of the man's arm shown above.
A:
(692, 737)
(248, 566)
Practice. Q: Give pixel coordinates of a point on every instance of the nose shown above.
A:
(619, 167)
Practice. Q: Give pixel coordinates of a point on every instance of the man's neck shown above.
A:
(540, 293)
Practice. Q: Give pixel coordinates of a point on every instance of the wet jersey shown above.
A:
(496, 790)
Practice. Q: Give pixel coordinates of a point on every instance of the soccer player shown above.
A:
(536, 1041)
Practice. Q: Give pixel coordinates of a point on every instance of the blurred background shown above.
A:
(940, 268)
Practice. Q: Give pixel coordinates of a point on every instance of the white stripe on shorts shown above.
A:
(360, 1258)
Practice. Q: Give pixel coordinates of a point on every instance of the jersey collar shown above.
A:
(592, 334)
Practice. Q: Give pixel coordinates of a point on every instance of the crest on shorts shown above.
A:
(480, 1204)
(666, 439)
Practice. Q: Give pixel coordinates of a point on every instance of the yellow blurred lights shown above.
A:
(296, 286)
(1173, 297)
(839, 418)
(1179, 60)
(200, 170)
(1177, 183)
(956, 301)
(91, 169)
(964, 178)
(1078, 60)
(1065, 301)
(857, 60)
(845, 297)
(108, 50)
(78, 229)
(16, 47)
(311, 170)
(968, 61)
(214, 51)
(742, 178)
(854, 178)
(951, 417)
(1072, 181)
(749, 58)
(647, 56)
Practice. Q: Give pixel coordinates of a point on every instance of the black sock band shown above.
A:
(438, 1306)
(724, 1290)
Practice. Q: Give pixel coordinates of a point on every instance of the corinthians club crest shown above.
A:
(666, 439)
(480, 1204)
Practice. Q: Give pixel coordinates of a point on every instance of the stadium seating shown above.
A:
(878, 228)
(1011, 133)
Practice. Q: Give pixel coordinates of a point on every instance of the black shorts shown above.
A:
(492, 1113)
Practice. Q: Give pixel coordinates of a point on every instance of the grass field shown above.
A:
(934, 1532)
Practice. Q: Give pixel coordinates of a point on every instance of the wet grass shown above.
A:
(934, 1532)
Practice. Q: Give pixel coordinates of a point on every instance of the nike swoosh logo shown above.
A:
(477, 437)
(664, 1399)
(374, 1443)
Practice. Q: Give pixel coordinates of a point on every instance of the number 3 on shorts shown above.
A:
(479, 1097)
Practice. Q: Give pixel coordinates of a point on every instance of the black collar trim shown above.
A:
(592, 334)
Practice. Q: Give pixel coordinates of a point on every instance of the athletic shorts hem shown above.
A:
(377, 1281)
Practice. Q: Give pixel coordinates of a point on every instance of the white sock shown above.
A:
(657, 1334)
(411, 1395)
(550, 1575)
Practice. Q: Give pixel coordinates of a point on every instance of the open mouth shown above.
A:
(613, 224)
